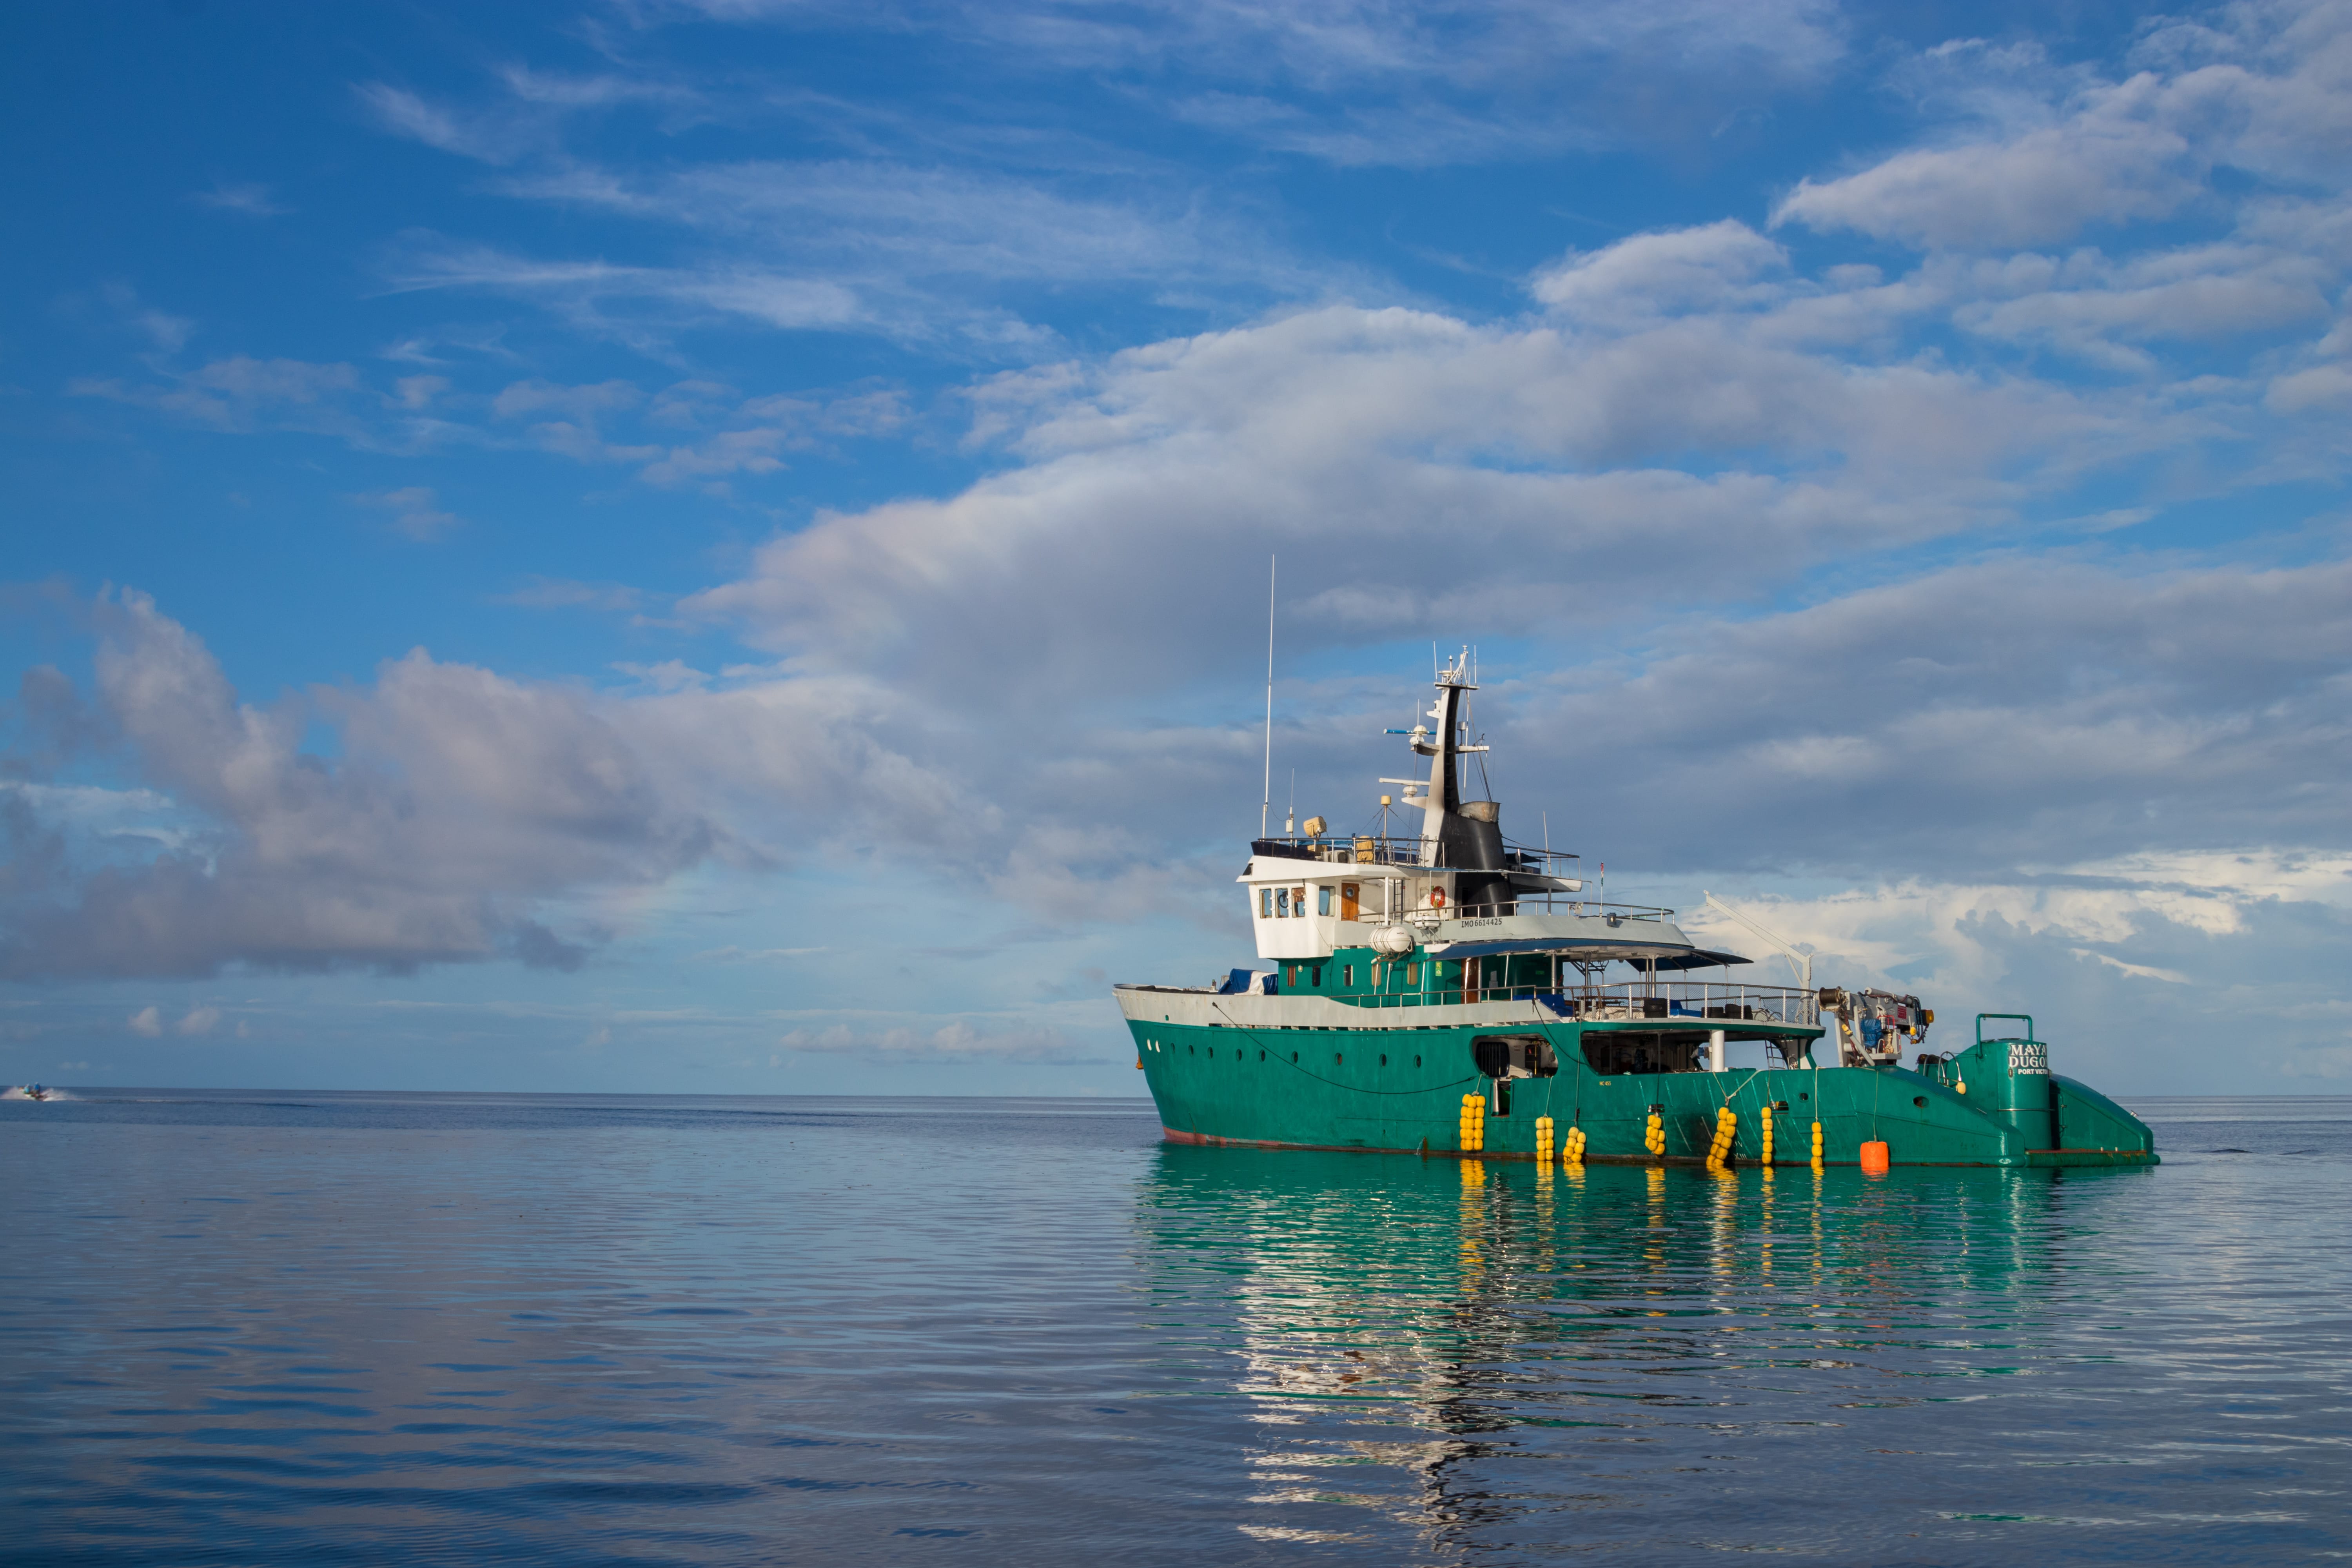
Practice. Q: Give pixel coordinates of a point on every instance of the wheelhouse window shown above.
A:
(1282, 903)
(1299, 902)
(1265, 903)
(1323, 900)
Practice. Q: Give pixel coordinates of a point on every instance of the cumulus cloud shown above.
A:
(1717, 267)
(1427, 476)
(461, 798)
(2115, 160)
(1997, 715)
(2035, 154)
(463, 813)
(2174, 971)
(148, 1022)
(2106, 311)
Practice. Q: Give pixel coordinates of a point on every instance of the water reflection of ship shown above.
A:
(1474, 1300)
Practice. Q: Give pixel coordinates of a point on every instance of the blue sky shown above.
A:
(722, 546)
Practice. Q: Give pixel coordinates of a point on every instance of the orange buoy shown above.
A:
(1873, 1159)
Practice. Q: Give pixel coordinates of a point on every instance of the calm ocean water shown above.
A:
(364, 1328)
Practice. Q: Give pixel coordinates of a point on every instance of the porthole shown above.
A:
(1920, 1100)
(1416, 1061)
(1384, 1059)
(1294, 1059)
(1336, 1058)
(1261, 1055)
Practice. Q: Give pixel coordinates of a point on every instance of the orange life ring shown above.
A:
(1436, 897)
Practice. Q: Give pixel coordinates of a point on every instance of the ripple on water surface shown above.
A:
(587, 1329)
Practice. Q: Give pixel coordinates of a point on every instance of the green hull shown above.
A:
(1400, 1090)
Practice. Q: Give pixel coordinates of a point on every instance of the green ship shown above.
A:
(1452, 994)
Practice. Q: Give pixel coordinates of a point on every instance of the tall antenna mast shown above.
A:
(1266, 811)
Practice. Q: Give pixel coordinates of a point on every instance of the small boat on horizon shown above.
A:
(1452, 994)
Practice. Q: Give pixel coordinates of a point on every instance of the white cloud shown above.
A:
(2014, 712)
(147, 1021)
(565, 91)
(461, 806)
(461, 800)
(241, 394)
(2115, 159)
(913, 252)
(1719, 266)
(2037, 153)
(415, 512)
(1514, 468)
(1378, 84)
(198, 1021)
(519, 398)
(251, 198)
(416, 392)
(2137, 971)
(580, 290)
(2130, 984)
(487, 137)
(2321, 388)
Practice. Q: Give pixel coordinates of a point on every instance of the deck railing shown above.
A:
(1426, 922)
(1684, 1001)
(1672, 1004)
(1533, 903)
(1401, 850)
(1379, 858)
